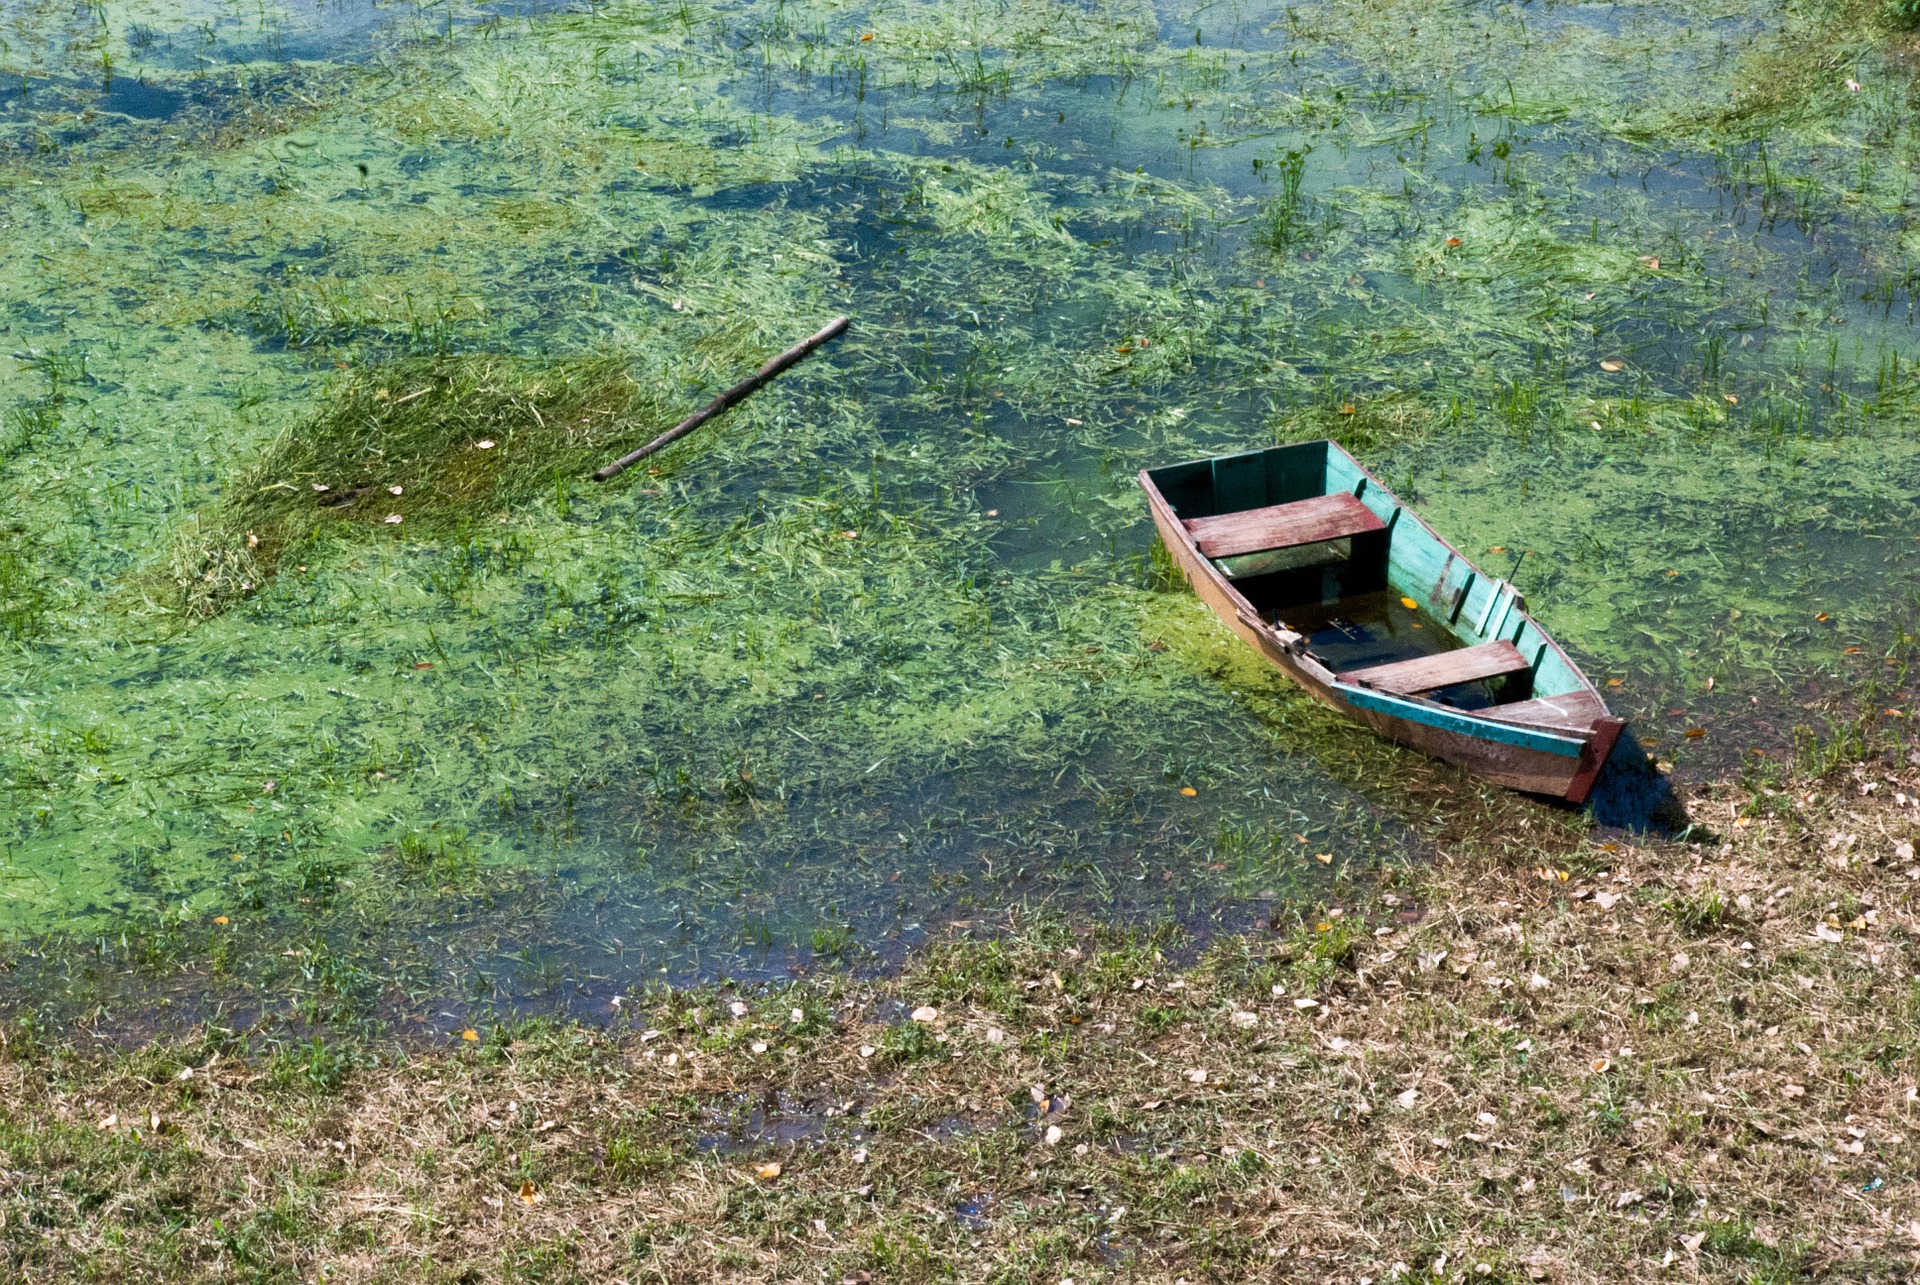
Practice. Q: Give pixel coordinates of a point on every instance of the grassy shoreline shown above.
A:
(1538, 1058)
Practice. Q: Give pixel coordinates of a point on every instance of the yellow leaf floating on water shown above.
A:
(1409, 604)
(1853, 651)
(865, 37)
(470, 1034)
(1324, 858)
(1497, 548)
(529, 1193)
(1188, 790)
(1695, 733)
(1823, 616)
(219, 919)
(1616, 682)
(1347, 408)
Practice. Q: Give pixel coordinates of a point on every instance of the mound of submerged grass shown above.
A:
(421, 443)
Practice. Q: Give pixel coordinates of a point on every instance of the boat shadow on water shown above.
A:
(1632, 794)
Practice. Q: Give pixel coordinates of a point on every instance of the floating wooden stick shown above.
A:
(737, 393)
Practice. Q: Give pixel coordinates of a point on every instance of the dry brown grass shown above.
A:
(1659, 1061)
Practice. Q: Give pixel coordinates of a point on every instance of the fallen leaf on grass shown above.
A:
(1600, 1065)
(1198, 1075)
(768, 1172)
(529, 1194)
(925, 1013)
(1054, 1134)
(470, 1035)
(1612, 366)
(1245, 1020)
(1827, 934)
(394, 519)
(1408, 1098)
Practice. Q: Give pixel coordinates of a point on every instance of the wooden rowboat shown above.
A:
(1309, 558)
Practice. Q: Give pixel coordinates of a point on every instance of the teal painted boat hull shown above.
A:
(1453, 663)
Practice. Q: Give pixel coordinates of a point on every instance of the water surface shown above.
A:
(885, 649)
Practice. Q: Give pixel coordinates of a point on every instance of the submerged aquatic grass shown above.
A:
(431, 442)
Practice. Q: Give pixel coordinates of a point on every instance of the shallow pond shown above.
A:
(1627, 288)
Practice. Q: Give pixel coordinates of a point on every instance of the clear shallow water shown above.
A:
(883, 650)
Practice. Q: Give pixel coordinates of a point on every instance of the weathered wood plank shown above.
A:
(1279, 526)
(1606, 733)
(1572, 711)
(1444, 669)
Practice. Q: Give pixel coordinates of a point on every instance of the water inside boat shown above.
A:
(1371, 629)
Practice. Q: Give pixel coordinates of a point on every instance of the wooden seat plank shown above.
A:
(1280, 526)
(1572, 711)
(1444, 669)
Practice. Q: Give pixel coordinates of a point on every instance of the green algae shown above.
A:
(883, 646)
